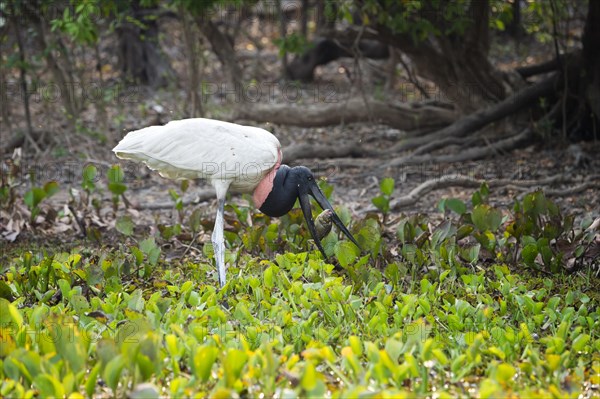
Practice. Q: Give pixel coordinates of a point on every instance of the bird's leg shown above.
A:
(218, 241)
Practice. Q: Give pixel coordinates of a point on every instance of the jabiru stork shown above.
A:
(229, 156)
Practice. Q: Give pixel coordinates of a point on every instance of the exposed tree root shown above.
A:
(325, 151)
(19, 141)
(538, 69)
(588, 184)
(475, 121)
(468, 182)
(203, 194)
(470, 154)
(399, 115)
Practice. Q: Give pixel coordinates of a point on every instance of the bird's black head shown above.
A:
(298, 183)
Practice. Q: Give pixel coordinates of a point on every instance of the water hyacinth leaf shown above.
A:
(5, 291)
(471, 254)
(464, 231)
(269, 276)
(203, 360)
(195, 219)
(89, 177)
(92, 379)
(125, 225)
(529, 253)
(534, 204)
(456, 205)
(115, 174)
(505, 373)
(346, 252)
(138, 255)
(309, 377)
(145, 366)
(234, 362)
(486, 218)
(34, 196)
(382, 203)
(112, 372)
(117, 188)
(387, 186)
(49, 386)
(51, 188)
(149, 247)
(580, 342)
(70, 345)
(115, 180)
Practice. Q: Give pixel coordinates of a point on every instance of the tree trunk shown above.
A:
(4, 100)
(191, 39)
(591, 60)
(222, 47)
(456, 63)
(140, 57)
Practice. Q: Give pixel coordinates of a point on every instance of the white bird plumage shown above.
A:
(204, 148)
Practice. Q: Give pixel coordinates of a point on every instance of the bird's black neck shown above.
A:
(283, 196)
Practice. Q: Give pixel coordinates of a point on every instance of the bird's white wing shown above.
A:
(204, 148)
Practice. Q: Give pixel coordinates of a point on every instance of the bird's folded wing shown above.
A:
(203, 148)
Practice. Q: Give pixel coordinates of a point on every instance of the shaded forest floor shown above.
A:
(355, 180)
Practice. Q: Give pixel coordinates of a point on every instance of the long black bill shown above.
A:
(318, 195)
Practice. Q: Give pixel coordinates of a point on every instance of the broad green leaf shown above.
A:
(5, 291)
(268, 276)
(486, 218)
(382, 203)
(112, 372)
(49, 386)
(387, 186)
(346, 252)
(34, 196)
(51, 188)
(89, 176)
(529, 253)
(234, 362)
(456, 205)
(92, 379)
(308, 382)
(115, 174)
(125, 225)
(505, 372)
(117, 188)
(580, 342)
(70, 344)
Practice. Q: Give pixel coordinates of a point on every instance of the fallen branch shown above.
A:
(475, 121)
(399, 115)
